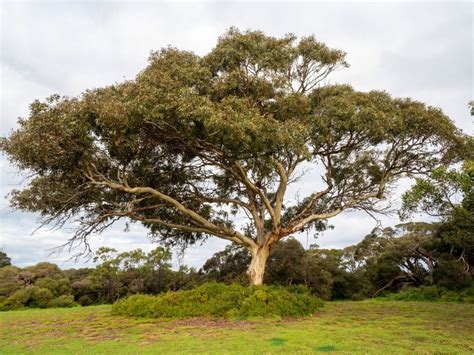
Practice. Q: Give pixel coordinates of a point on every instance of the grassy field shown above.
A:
(341, 327)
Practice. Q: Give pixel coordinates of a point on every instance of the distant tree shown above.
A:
(193, 141)
(83, 286)
(4, 259)
(403, 257)
(41, 285)
(228, 265)
(9, 282)
(449, 196)
(334, 276)
(183, 279)
(287, 263)
(120, 274)
(157, 268)
(45, 269)
(106, 275)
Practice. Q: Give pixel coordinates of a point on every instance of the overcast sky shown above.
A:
(421, 50)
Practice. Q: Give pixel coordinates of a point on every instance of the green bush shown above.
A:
(62, 301)
(30, 296)
(48, 283)
(17, 300)
(220, 300)
(85, 300)
(434, 294)
(9, 281)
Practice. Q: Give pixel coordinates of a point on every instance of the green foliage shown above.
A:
(449, 195)
(30, 296)
(220, 300)
(115, 276)
(441, 193)
(36, 297)
(126, 273)
(287, 263)
(433, 294)
(57, 287)
(9, 281)
(62, 301)
(228, 266)
(423, 293)
(451, 274)
(4, 259)
(40, 286)
(384, 262)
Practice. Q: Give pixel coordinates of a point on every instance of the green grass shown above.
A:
(389, 327)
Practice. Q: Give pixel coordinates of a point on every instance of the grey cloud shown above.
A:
(441, 58)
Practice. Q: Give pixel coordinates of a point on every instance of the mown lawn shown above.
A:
(391, 327)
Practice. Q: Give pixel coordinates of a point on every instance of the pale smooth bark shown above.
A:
(256, 269)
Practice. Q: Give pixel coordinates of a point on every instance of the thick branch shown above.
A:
(250, 185)
(280, 194)
(203, 222)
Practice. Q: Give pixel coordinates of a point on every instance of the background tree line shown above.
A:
(385, 261)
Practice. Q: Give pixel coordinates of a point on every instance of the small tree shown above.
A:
(192, 141)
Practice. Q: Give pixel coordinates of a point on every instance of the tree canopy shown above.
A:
(194, 140)
(449, 196)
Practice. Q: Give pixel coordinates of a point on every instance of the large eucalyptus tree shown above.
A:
(193, 143)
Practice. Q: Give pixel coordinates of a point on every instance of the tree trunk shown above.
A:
(256, 268)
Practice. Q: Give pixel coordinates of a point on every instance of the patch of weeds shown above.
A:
(325, 348)
(278, 341)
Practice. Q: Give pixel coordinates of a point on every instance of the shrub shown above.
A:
(220, 300)
(62, 301)
(434, 294)
(48, 283)
(30, 296)
(9, 282)
(17, 299)
(40, 297)
(450, 274)
(85, 300)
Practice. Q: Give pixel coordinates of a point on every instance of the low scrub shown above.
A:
(434, 294)
(35, 297)
(220, 300)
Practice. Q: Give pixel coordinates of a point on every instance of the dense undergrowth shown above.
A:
(36, 297)
(220, 300)
(433, 294)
